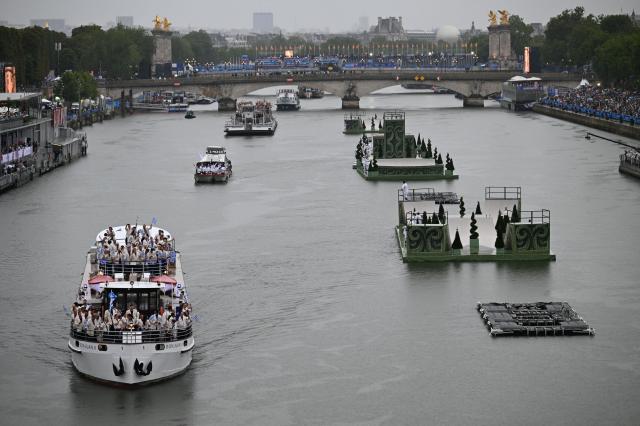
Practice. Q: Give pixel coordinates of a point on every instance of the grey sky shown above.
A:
(338, 15)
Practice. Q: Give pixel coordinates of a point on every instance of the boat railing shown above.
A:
(153, 268)
(502, 193)
(416, 218)
(132, 336)
(428, 194)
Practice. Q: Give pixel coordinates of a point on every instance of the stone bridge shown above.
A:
(474, 86)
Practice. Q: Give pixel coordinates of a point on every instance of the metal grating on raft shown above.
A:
(533, 319)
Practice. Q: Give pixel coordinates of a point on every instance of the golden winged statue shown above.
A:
(157, 23)
(504, 17)
(492, 18)
(166, 24)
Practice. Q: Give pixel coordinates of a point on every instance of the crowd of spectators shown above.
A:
(9, 113)
(611, 104)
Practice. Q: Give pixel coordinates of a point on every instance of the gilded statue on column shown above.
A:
(157, 23)
(492, 18)
(504, 17)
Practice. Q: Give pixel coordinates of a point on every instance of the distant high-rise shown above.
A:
(51, 23)
(125, 21)
(263, 22)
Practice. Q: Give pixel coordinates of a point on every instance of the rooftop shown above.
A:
(18, 96)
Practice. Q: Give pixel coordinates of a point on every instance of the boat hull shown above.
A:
(99, 364)
(210, 178)
(288, 107)
(250, 131)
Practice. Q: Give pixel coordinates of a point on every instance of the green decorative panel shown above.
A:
(427, 239)
(436, 170)
(529, 238)
(393, 146)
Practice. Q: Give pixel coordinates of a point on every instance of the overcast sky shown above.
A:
(337, 15)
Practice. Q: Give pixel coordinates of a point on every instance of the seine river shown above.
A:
(307, 313)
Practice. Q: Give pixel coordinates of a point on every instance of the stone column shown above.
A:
(162, 50)
(350, 102)
(227, 104)
(473, 101)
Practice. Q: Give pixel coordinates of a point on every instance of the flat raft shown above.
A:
(533, 319)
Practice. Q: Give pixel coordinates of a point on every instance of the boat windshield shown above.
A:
(146, 301)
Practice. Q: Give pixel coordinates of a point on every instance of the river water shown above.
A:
(307, 313)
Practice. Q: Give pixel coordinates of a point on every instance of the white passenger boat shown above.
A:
(131, 322)
(214, 166)
(250, 119)
(287, 100)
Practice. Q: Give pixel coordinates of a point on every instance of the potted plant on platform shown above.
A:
(456, 247)
(515, 216)
(478, 211)
(449, 167)
(474, 242)
(429, 154)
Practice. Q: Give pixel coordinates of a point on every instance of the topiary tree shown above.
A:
(462, 209)
(474, 228)
(441, 215)
(359, 152)
(499, 244)
(429, 154)
(380, 125)
(435, 152)
(434, 219)
(499, 223)
(457, 244)
(515, 216)
(478, 211)
(425, 217)
(449, 165)
(423, 149)
(439, 159)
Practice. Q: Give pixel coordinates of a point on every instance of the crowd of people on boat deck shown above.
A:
(139, 246)
(211, 168)
(90, 321)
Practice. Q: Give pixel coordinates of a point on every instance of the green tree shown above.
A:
(617, 61)
(520, 34)
(69, 87)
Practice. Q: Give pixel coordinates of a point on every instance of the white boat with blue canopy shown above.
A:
(131, 321)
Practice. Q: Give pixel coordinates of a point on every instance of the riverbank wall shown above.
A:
(595, 122)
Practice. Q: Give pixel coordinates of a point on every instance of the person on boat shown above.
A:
(405, 190)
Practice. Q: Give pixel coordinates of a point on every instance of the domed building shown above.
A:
(448, 34)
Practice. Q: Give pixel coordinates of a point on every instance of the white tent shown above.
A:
(583, 82)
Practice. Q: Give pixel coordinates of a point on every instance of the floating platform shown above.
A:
(533, 319)
(409, 169)
(526, 238)
(396, 156)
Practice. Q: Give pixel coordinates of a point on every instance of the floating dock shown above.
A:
(533, 319)
(397, 156)
(432, 227)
